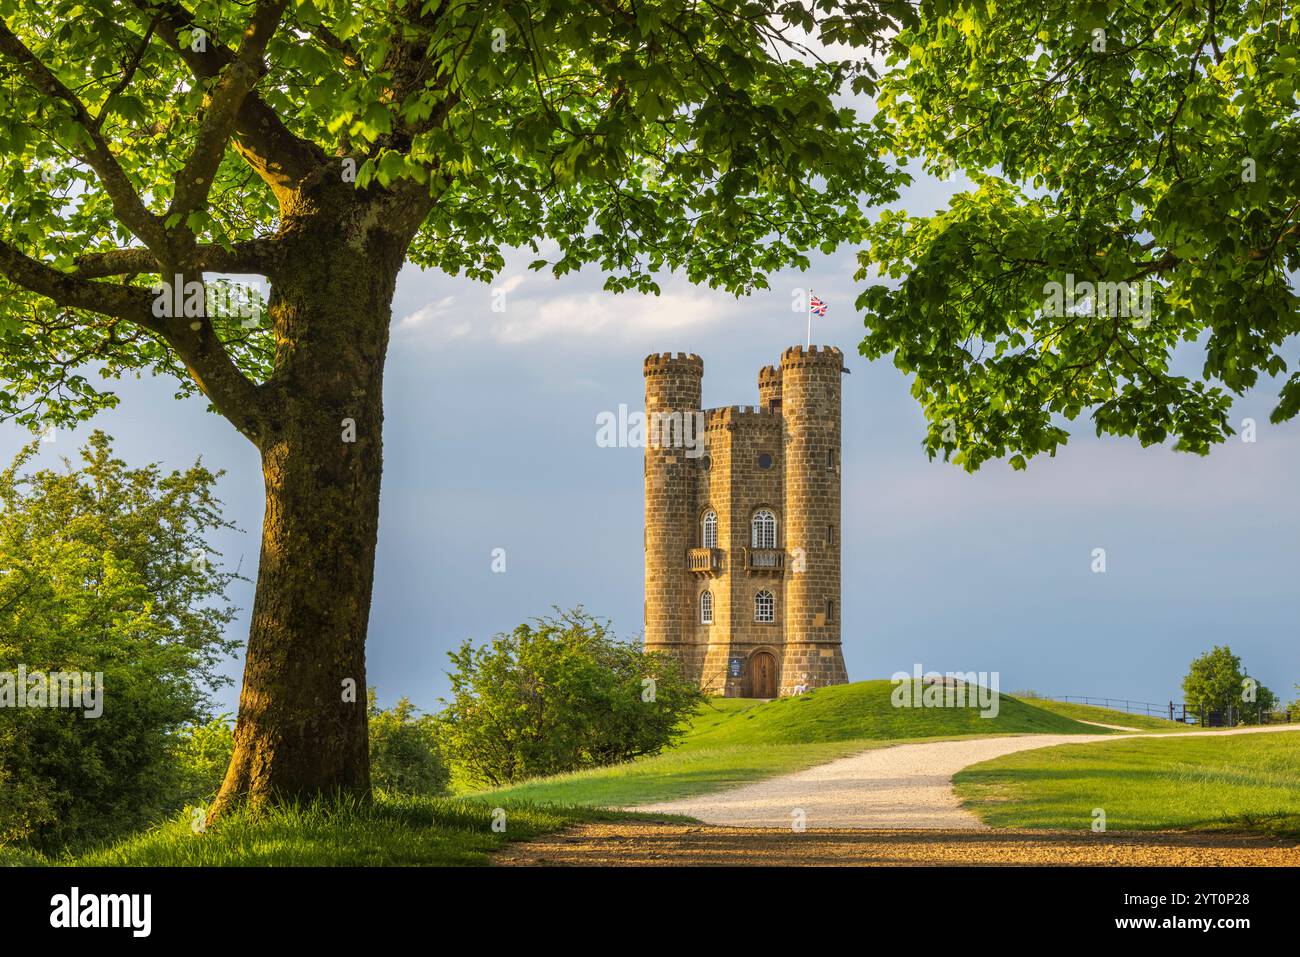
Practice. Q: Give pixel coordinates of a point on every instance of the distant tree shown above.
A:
(105, 568)
(560, 694)
(1214, 682)
(1257, 701)
(405, 756)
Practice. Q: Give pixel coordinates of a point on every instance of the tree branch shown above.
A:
(234, 83)
(259, 257)
(279, 157)
(236, 396)
(127, 204)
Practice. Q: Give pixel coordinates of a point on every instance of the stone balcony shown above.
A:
(770, 560)
(705, 561)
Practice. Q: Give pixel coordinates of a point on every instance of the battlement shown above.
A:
(797, 356)
(668, 363)
(769, 375)
(738, 416)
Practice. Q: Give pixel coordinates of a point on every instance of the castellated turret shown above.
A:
(672, 385)
(743, 533)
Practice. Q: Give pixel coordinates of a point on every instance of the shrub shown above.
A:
(201, 753)
(560, 694)
(404, 754)
(104, 569)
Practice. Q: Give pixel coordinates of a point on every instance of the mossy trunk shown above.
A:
(302, 730)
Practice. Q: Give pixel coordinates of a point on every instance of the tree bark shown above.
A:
(302, 726)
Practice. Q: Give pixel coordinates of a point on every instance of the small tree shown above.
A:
(1256, 701)
(404, 754)
(106, 569)
(560, 694)
(1214, 682)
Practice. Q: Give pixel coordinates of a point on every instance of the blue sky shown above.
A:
(490, 443)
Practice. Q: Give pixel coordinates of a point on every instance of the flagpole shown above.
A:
(808, 341)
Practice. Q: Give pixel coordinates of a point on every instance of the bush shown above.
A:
(560, 694)
(404, 754)
(201, 753)
(104, 569)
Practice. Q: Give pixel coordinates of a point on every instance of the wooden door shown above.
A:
(762, 675)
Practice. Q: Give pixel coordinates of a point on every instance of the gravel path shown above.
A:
(641, 845)
(907, 786)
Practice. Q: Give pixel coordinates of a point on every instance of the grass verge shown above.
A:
(1231, 782)
(390, 832)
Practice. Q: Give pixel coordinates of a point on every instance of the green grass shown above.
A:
(1238, 782)
(735, 741)
(1088, 712)
(676, 774)
(861, 711)
(391, 832)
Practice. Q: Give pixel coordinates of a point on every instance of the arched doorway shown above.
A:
(762, 675)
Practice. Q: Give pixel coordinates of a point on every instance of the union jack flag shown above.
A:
(817, 307)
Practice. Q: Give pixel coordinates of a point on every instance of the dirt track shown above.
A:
(677, 844)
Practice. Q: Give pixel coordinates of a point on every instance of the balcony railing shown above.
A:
(707, 560)
(765, 559)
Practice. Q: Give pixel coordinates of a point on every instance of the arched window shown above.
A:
(706, 608)
(764, 606)
(763, 529)
(709, 530)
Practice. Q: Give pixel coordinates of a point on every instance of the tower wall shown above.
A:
(810, 409)
(672, 384)
(739, 487)
(769, 388)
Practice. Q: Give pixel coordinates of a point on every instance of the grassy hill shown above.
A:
(858, 711)
(735, 741)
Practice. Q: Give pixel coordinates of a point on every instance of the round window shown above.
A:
(764, 460)
(706, 462)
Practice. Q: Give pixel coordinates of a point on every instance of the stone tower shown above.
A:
(742, 526)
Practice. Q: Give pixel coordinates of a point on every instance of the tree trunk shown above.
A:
(302, 728)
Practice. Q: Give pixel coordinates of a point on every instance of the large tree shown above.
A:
(1142, 152)
(323, 144)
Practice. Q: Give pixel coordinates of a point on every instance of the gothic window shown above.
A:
(709, 530)
(764, 606)
(706, 608)
(763, 529)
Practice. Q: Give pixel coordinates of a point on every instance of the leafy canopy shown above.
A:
(1145, 142)
(150, 137)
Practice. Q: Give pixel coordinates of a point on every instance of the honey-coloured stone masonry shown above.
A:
(742, 542)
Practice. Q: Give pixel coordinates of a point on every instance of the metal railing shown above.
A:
(1179, 711)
